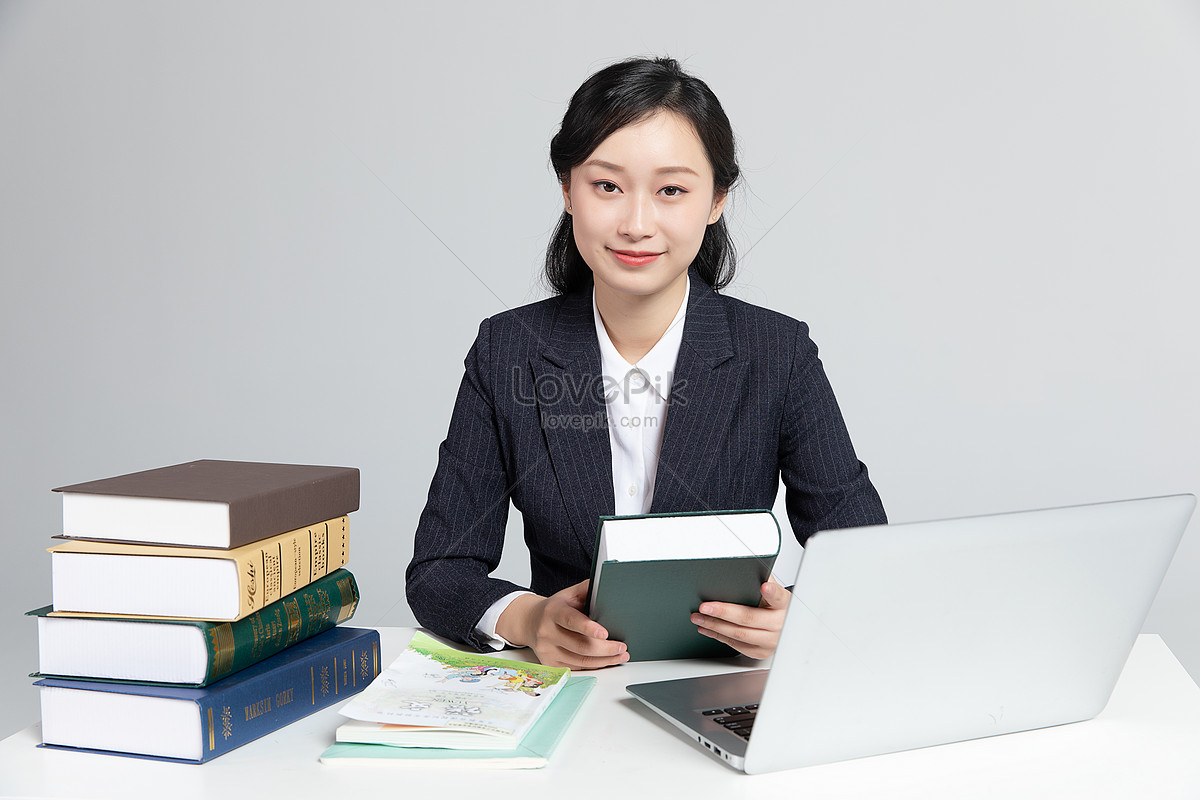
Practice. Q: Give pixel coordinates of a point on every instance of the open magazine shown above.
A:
(436, 696)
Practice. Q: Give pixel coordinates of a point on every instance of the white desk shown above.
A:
(1146, 743)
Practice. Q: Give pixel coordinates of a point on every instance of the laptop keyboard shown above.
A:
(738, 719)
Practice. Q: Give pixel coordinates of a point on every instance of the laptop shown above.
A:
(911, 635)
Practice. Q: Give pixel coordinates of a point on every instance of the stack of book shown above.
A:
(195, 608)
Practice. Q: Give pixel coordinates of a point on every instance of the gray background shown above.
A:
(269, 232)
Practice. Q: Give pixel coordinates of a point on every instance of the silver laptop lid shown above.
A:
(904, 636)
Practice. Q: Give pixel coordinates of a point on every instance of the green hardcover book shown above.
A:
(651, 573)
(188, 652)
(533, 752)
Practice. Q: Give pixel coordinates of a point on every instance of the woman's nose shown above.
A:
(638, 220)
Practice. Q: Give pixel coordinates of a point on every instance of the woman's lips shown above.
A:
(635, 258)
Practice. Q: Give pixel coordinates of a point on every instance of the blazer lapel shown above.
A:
(704, 391)
(573, 418)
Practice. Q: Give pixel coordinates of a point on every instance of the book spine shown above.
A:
(233, 646)
(283, 564)
(277, 697)
(267, 513)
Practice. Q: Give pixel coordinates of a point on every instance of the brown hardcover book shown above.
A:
(208, 503)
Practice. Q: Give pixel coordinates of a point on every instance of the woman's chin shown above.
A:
(637, 281)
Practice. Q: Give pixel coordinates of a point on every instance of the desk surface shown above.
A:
(1143, 744)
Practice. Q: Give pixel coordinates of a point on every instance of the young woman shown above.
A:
(636, 389)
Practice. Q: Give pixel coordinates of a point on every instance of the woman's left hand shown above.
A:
(752, 631)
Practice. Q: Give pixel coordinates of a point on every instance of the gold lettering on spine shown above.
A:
(320, 553)
(296, 573)
(258, 637)
(224, 646)
(316, 603)
(212, 732)
(251, 582)
(312, 677)
(257, 709)
(272, 574)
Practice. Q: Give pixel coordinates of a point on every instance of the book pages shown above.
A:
(443, 690)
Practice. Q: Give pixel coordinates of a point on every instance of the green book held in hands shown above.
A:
(650, 573)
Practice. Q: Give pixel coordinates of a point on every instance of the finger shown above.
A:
(586, 646)
(743, 647)
(774, 595)
(761, 637)
(577, 661)
(574, 620)
(570, 661)
(749, 616)
(571, 649)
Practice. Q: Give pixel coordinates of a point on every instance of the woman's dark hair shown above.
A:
(623, 94)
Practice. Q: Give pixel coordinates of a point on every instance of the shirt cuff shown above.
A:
(486, 627)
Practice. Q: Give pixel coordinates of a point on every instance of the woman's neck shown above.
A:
(635, 323)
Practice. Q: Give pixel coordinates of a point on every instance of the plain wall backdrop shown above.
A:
(269, 231)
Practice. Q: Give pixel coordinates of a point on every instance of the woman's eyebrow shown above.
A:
(595, 162)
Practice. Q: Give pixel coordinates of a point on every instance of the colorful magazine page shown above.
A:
(533, 752)
(436, 696)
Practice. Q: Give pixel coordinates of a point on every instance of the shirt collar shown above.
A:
(658, 365)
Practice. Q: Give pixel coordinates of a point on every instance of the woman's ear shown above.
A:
(566, 190)
(718, 206)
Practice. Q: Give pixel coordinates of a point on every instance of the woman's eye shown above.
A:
(672, 191)
(607, 187)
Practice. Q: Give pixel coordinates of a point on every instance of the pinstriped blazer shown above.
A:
(749, 403)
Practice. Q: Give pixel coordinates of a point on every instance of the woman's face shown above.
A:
(640, 205)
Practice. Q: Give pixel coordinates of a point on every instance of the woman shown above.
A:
(637, 389)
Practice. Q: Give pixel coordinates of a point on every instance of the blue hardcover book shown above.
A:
(173, 723)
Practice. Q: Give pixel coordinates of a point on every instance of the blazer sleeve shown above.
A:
(825, 484)
(460, 535)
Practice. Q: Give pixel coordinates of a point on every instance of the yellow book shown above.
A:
(119, 579)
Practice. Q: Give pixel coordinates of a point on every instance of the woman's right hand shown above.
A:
(559, 632)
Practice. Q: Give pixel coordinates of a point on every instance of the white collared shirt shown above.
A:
(635, 398)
